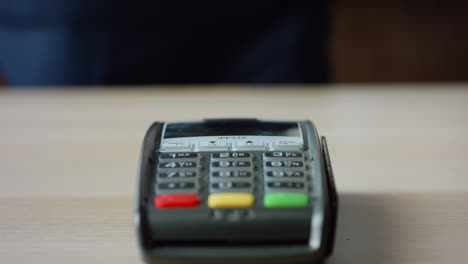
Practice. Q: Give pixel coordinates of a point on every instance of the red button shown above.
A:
(176, 201)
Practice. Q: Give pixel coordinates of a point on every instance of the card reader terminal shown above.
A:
(230, 190)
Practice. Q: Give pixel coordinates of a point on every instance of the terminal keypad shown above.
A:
(232, 179)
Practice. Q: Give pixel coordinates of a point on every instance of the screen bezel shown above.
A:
(233, 136)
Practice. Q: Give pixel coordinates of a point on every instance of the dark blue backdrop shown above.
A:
(67, 42)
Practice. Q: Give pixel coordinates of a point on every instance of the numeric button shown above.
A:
(286, 185)
(180, 155)
(278, 154)
(231, 174)
(177, 164)
(231, 164)
(227, 155)
(177, 174)
(285, 164)
(170, 186)
(285, 174)
(229, 185)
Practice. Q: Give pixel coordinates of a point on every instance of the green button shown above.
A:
(285, 200)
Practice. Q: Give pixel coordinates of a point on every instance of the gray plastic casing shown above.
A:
(293, 235)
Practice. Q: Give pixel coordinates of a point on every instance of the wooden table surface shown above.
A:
(68, 162)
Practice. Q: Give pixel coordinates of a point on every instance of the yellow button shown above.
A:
(230, 200)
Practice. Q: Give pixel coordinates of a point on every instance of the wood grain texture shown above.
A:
(68, 162)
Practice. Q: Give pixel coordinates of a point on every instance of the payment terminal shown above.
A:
(235, 191)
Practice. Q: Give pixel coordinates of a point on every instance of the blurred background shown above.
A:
(387, 87)
(87, 42)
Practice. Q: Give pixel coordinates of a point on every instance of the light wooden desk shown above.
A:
(400, 153)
